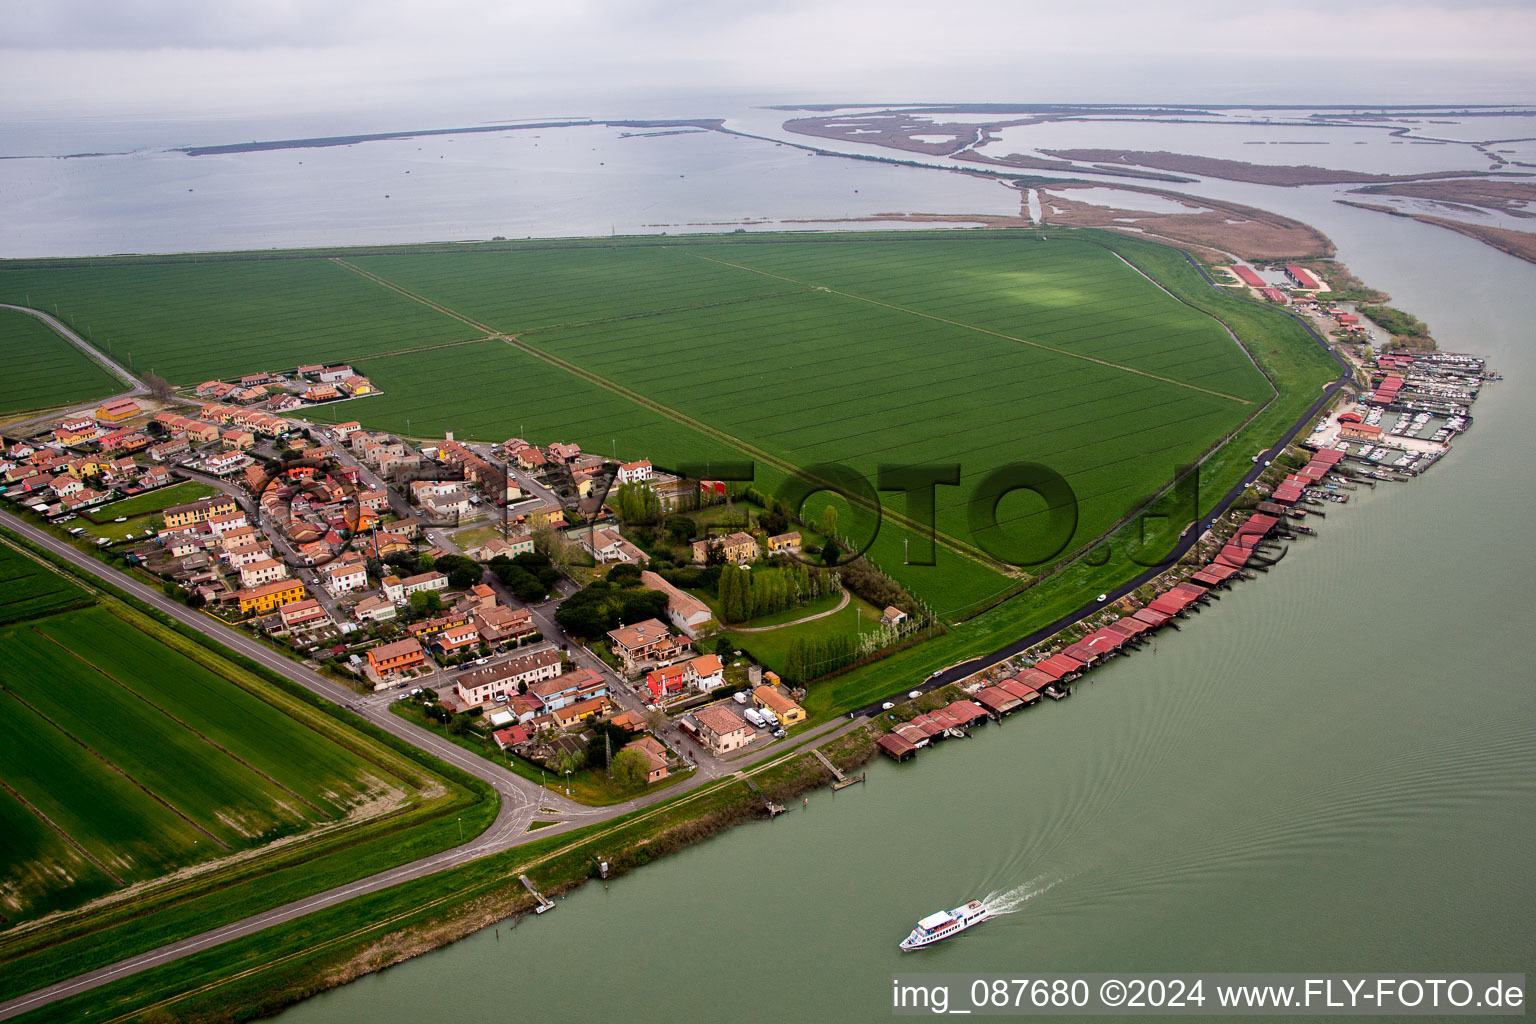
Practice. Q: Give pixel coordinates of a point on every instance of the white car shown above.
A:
(1103, 598)
(886, 706)
(914, 694)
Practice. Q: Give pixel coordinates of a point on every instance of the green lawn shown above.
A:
(43, 369)
(772, 648)
(156, 501)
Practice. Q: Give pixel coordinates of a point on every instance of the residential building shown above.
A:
(738, 547)
(400, 591)
(608, 546)
(561, 691)
(655, 754)
(580, 711)
(686, 613)
(374, 608)
(343, 579)
(392, 659)
(645, 641)
(454, 639)
(200, 511)
(499, 682)
(261, 571)
(499, 624)
(269, 596)
(720, 730)
(633, 472)
(303, 615)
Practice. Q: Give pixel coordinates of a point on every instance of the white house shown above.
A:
(343, 579)
(634, 472)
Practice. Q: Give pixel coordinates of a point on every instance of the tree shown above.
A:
(829, 522)
(773, 522)
(625, 574)
(830, 552)
(426, 601)
(158, 386)
(630, 768)
(681, 529)
(462, 572)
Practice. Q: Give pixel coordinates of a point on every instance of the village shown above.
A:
(431, 576)
(570, 613)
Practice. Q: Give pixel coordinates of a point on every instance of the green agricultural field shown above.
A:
(144, 760)
(29, 587)
(190, 322)
(44, 370)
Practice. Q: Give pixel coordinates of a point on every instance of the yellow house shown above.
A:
(272, 595)
(778, 705)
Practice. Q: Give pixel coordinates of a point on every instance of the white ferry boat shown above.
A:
(936, 927)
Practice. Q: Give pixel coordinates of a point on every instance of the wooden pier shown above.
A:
(544, 903)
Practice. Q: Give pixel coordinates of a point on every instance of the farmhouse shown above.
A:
(784, 543)
(740, 548)
(655, 755)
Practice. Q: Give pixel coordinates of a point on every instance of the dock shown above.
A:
(544, 903)
(843, 781)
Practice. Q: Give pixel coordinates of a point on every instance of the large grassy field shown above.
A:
(189, 322)
(42, 369)
(979, 350)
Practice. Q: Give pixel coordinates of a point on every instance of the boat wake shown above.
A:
(1012, 900)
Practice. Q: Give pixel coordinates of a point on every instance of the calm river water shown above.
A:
(1331, 769)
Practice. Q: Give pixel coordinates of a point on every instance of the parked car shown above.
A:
(740, 696)
(914, 694)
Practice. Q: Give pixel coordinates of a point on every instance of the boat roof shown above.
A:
(935, 920)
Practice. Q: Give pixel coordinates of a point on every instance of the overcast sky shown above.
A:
(494, 58)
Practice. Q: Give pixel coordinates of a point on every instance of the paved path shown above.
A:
(809, 618)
